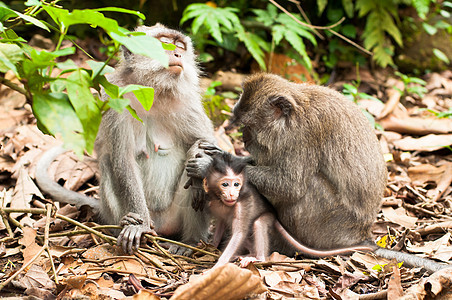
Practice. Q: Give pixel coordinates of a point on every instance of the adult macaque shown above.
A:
(142, 165)
(249, 218)
(316, 160)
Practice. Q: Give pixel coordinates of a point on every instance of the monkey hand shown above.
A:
(245, 261)
(197, 167)
(210, 149)
(133, 229)
(199, 196)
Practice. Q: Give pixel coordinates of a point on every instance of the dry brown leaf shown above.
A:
(227, 282)
(23, 192)
(80, 173)
(395, 289)
(438, 283)
(399, 216)
(438, 249)
(417, 126)
(394, 95)
(369, 260)
(145, 295)
(130, 265)
(224, 141)
(100, 252)
(37, 277)
(347, 280)
(428, 143)
(423, 173)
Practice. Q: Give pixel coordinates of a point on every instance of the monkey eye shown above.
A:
(236, 184)
(225, 184)
(180, 45)
(166, 40)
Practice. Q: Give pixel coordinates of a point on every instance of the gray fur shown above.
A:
(317, 161)
(134, 177)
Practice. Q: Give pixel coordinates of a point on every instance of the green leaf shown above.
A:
(118, 104)
(278, 33)
(33, 3)
(349, 30)
(56, 114)
(143, 45)
(144, 94)
(429, 28)
(253, 44)
(348, 7)
(298, 44)
(10, 54)
(350, 88)
(321, 4)
(6, 13)
(96, 66)
(78, 88)
(134, 113)
(32, 20)
(111, 89)
(422, 7)
(440, 54)
(122, 10)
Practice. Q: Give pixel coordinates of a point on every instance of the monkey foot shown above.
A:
(245, 261)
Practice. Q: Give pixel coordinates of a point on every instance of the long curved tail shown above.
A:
(56, 191)
(411, 260)
(319, 253)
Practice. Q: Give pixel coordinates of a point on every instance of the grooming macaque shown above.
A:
(316, 159)
(249, 218)
(142, 165)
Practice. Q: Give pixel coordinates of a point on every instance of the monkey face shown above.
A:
(181, 61)
(230, 187)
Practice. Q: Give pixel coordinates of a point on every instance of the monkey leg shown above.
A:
(263, 227)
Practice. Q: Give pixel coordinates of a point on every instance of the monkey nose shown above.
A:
(178, 55)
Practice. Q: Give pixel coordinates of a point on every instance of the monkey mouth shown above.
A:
(175, 68)
(229, 202)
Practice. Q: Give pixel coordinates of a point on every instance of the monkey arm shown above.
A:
(118, 161)
(240, 229)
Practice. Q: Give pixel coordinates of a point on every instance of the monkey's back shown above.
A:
(327, 173)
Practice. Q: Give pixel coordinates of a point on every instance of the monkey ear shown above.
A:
(126, 52)
(283, 105)
(204, 185)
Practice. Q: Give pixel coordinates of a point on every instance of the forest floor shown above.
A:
(416, 217)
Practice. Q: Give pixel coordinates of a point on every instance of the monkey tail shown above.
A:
(319, 253)
(411, 260)
(59, 193)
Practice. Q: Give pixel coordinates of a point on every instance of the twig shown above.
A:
(166, 253)
(15, 87)
(373, 296)
(301, 10)
(48, 211)
(46, 239)
(323, 27)
(419, 209)
(152, 261)
(112, 270)
(8, 227)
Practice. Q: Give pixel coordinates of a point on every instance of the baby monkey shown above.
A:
(249, 217)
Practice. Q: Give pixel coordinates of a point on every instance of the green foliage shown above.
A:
(380, 25)
(225, 27)
(284, 27)
(215, 105)
(64, 105)
(412, 85)
(441, 114)
(351, 91)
